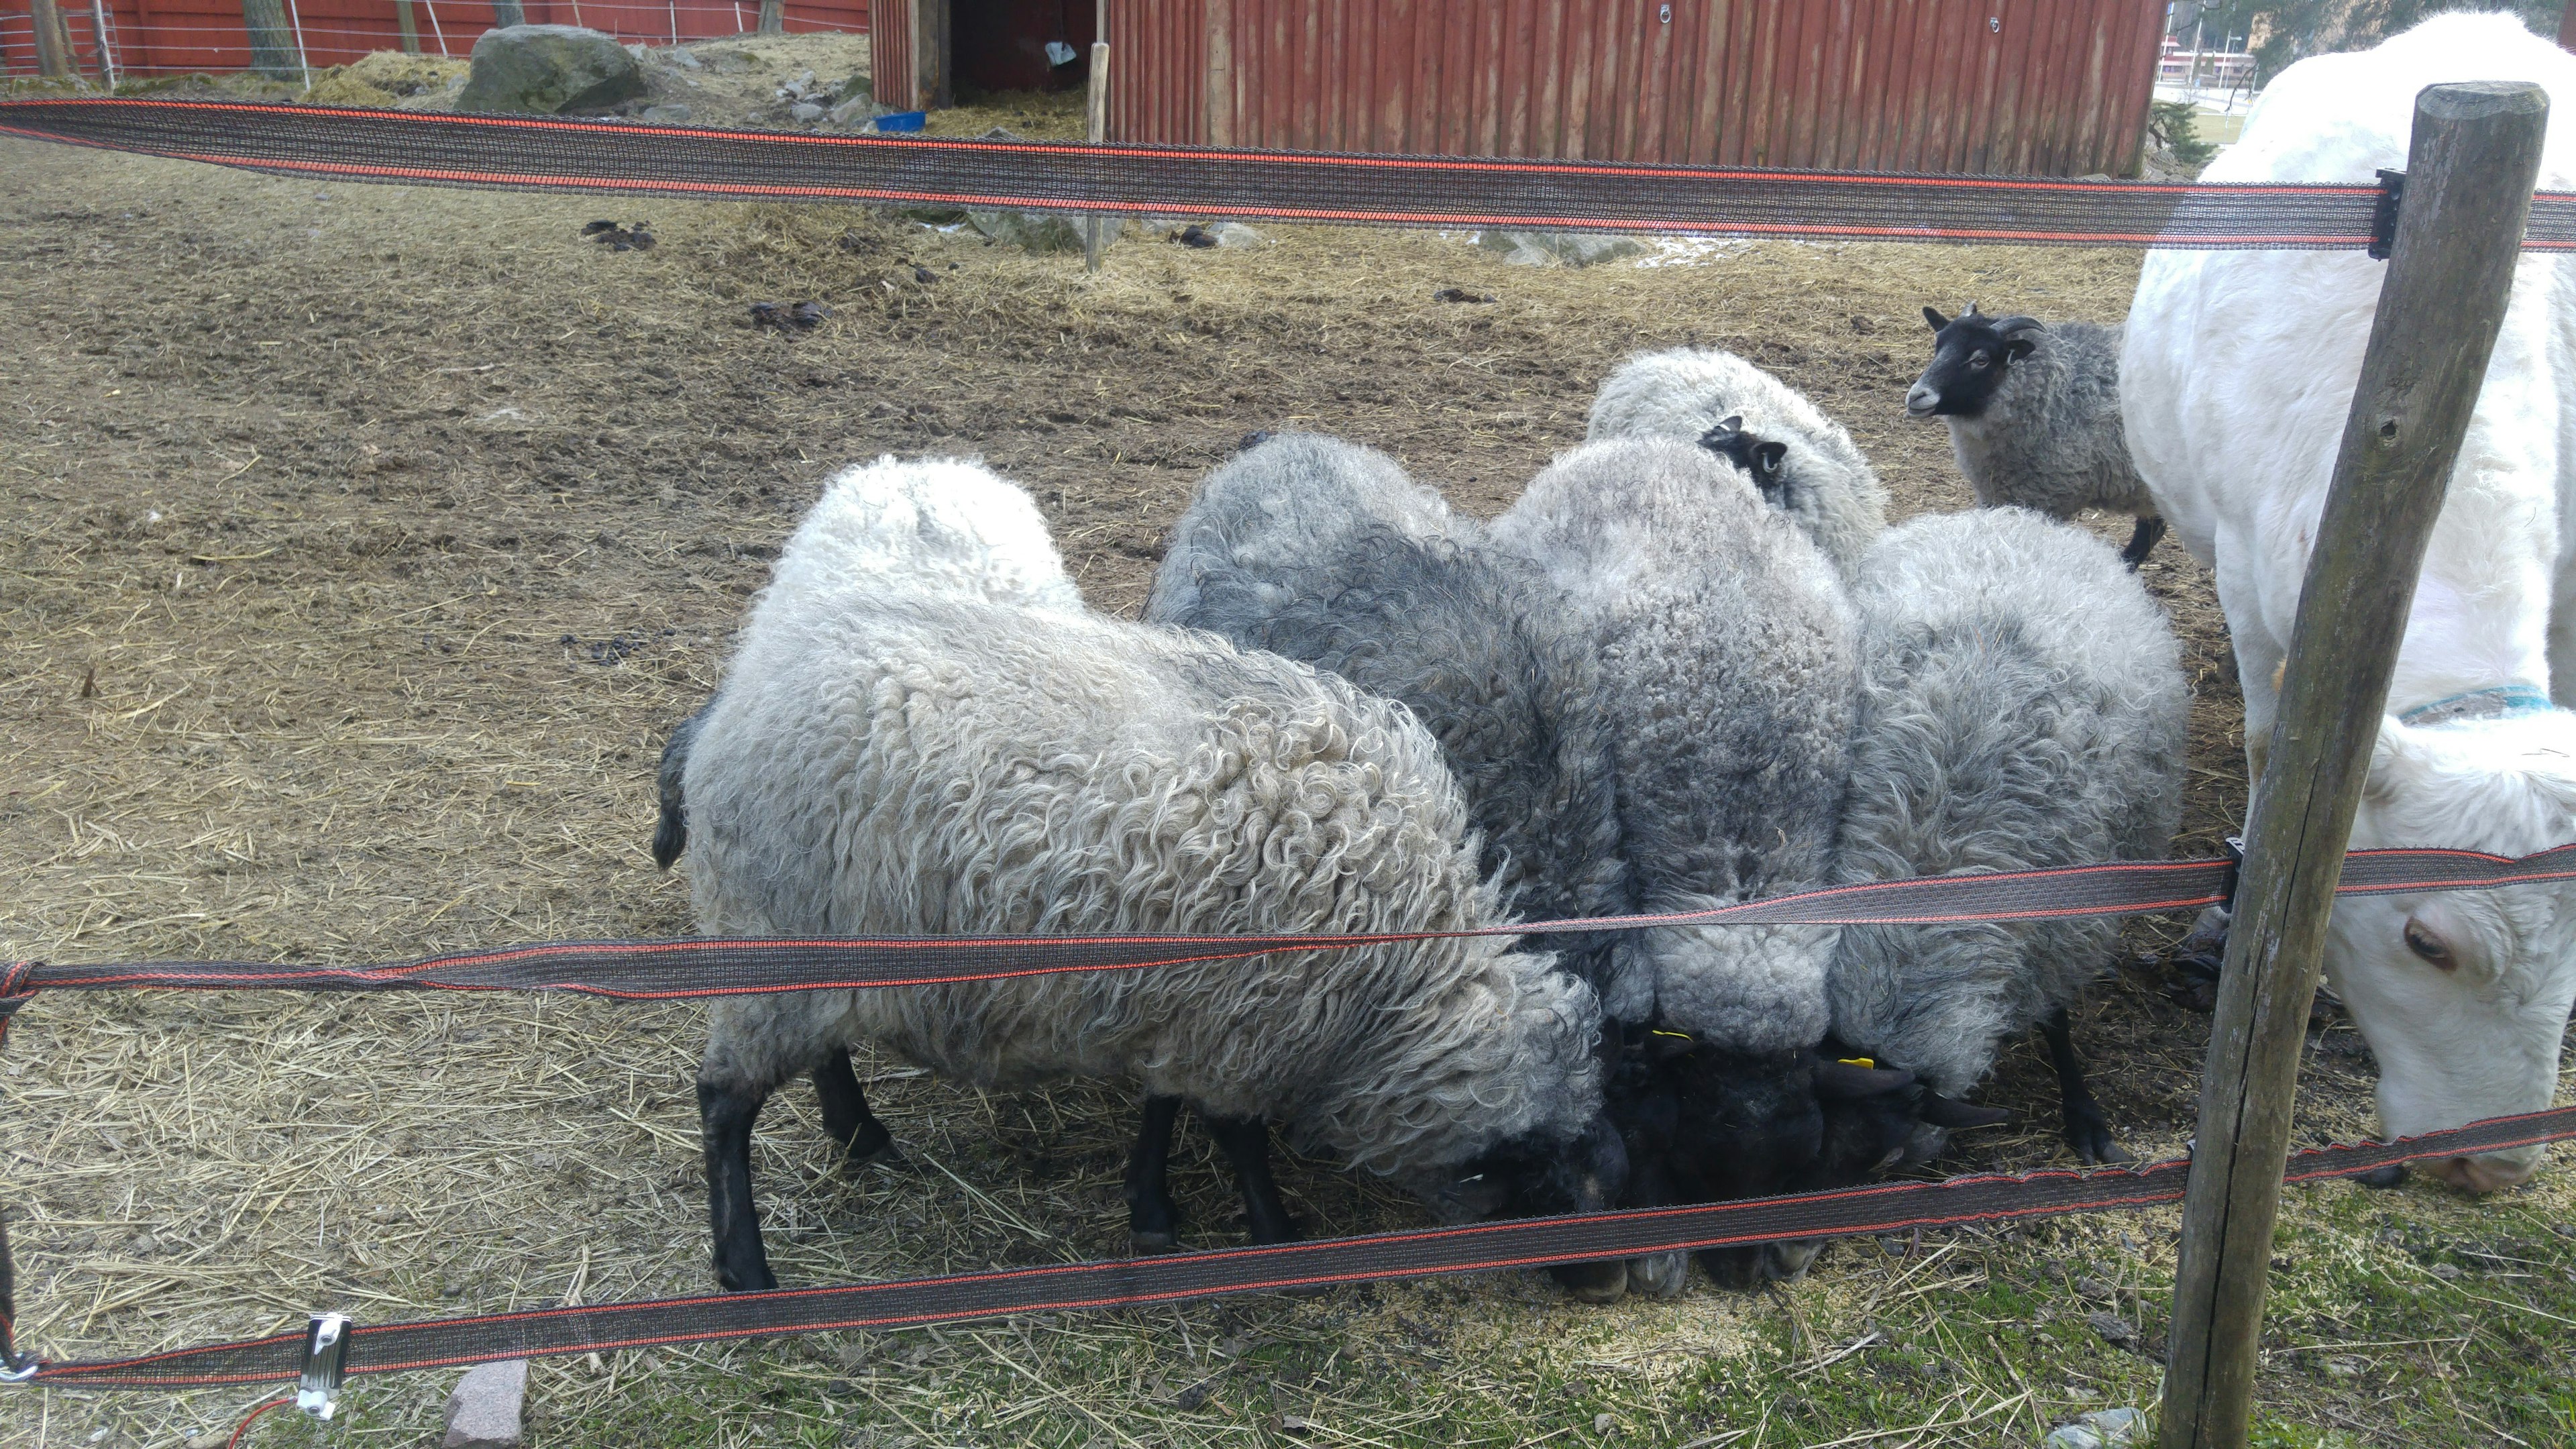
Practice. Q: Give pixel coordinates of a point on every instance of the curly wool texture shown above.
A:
(2022, 706)
(2050, 438)
(899, 753)
(1728, 669)
(1326, 552)
(1683, 392)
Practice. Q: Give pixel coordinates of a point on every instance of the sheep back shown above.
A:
(2022, 706)
(1683, 392)
(1727, 671)
(1325, 552)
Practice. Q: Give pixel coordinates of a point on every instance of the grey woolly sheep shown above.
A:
(1686, 392)
(902, 746)
(2022, 706)
(1325, 552)
(1728, 672)
(2034, 416)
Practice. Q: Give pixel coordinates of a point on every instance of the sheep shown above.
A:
(1728, 680)
(1684, 393)
(2034, 417)
(2022, 705)
(1326, 552)
(903, 745)
(2236, 376)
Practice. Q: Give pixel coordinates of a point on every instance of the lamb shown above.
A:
(1685, 393)
(2237, 373)
(1326, 552)
(1728, 680)
(906, 744)
(2034, 417)
(2022, 706)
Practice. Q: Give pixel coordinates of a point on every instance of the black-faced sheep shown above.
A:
(2034, 417)
(1685, 393)
(905, 746)
(2022, 705)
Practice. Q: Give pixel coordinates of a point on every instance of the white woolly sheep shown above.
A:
(2237, 375)
(1728, 676)
(902, 746)
(2022, 705)
(1684, 393)
(2034, 416)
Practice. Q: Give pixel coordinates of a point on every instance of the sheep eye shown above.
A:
(2429, 946)
(1979, 360)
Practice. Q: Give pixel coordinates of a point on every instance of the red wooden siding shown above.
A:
(2044, 87)
(156, 37)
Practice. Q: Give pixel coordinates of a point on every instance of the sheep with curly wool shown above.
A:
(1728, 674)
(1327, 552)
(1685, 393)
(906, 744)
(2022, 706)
(2034, 415)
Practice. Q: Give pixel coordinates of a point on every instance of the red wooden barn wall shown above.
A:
(2046, 87)
(152, 37)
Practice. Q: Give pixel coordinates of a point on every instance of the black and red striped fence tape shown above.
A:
(667, 970)
(1132, 179)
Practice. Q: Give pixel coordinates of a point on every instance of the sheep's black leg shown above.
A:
(1153, 1221)
(2087, 1131)
(845, 1109)
(2142, 541)
(1246, 1141)
(725, 1115)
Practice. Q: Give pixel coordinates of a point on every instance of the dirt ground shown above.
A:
(358, 546)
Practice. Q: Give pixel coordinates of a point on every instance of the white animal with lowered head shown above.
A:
(2238, 370)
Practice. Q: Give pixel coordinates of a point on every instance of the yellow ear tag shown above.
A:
(1675, 1035)
(1859, 1062)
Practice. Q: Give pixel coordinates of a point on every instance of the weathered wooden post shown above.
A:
(2469, 175)
(409, 27)
(53, 43)
(1095, 227)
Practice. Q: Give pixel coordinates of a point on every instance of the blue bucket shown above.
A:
(902, 121)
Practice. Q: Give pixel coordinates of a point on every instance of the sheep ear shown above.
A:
(1767, 456)
(2019, 348)
(1935, 318)
(1958, 1116)
(1971, 312)
(1726, 428)
(1847, 1081)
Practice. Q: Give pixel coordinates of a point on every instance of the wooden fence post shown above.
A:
(53, 43)
(1095, 228)
(273, 49)
(410, 28)
(2469, 175)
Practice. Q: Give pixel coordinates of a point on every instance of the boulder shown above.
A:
(549, 70)
(1559, 248)
(673, 114)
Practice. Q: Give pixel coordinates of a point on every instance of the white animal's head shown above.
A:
(2464, 995)
(926, 524)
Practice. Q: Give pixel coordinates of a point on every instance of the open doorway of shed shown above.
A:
(1020, 45)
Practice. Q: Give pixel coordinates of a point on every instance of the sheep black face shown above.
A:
(1533, 1178)
(1971, 356)
(1760, 458)
(1708, 1125)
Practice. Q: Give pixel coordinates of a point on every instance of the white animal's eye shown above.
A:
(2429, 946)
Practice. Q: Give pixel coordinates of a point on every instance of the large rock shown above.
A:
(1037, 231)
(550, 70)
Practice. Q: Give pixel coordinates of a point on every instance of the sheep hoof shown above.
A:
(1143, 1244)
(1663, 1275)
(2090, 1137)
(2393, 1175)
(1593, 1282)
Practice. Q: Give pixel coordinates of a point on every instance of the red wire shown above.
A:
(277, 1403)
